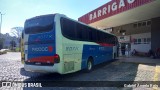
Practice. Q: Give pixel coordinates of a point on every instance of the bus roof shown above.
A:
(85, 24)
(62, 15)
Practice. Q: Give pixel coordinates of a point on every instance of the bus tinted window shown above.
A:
(92, 34)
(76, 31)
(101, 36)
(79, 29)
(39, 24)
(68, 28)
(85, 34)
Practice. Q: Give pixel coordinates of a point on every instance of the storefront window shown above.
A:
(135, 41)
(148, 40)
(139, 24)
(135, 25)
(144, 24)
(145, 41)
(139, 41)
(148, 22)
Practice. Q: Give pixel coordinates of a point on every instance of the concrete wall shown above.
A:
(155, 30)
(130, 29)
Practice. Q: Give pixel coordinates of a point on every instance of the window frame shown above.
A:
(91, 34)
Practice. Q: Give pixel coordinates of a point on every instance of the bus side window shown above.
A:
(103, 37)
(85, 35)
(79, 30)
(68, 28)
(106, 39)
(92, 34)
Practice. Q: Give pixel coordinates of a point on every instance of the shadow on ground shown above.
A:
(110, 71)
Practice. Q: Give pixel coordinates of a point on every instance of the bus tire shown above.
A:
(89, 64)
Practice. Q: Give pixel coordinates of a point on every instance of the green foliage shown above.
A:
(3, 52)
(12, 44)
(1, 43)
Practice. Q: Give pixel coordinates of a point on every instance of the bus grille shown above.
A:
(69, 66)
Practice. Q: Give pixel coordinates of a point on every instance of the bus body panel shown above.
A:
(40, 49)
(58, 43)
(22, 48)
(43, 69)
(76, 54)
(99, 54)
(72, 55)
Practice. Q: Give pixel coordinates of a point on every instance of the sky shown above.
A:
(17, 11)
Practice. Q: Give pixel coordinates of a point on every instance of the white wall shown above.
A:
(141, 47)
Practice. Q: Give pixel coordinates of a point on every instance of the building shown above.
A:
(136, 23)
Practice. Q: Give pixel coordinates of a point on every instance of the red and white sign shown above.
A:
(111, 8)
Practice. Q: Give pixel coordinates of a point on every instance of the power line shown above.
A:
(1, 21)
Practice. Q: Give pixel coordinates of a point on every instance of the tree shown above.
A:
(17, 31)
(13, 44)
(1, 43)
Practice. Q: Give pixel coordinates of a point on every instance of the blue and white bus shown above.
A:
(56, 43)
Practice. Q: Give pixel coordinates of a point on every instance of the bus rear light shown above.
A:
(56, 58)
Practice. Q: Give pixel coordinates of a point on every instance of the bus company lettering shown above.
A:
(71, 48)
(107, 9)
(37, 49)
(45, 36)
(45, 49)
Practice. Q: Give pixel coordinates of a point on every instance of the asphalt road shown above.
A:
(11, 69)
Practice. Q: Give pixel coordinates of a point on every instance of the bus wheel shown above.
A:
(89, 65)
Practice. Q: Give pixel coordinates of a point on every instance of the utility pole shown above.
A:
(1, 21)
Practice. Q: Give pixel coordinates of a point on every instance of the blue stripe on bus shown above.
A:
(34, 51)
(99, 53)
(33, 48)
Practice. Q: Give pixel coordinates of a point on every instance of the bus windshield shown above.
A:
(39, 24)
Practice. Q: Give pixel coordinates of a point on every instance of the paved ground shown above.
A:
(140, 60)
(125, 69)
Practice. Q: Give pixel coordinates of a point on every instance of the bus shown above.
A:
(55, 43)
(22, 47)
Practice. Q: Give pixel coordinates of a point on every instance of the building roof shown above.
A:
(121, 12)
